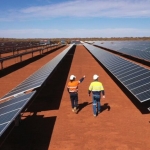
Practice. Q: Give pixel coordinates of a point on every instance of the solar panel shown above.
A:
(140, 89)
(140, 49)
(9, 110)
(139, 83)
(137, 78)
(39, 77)
(134, 77)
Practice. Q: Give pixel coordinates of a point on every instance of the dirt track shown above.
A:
(50, 124)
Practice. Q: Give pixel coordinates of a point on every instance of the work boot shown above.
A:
(75, 109)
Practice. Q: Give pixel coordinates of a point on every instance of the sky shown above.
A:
(74, 18)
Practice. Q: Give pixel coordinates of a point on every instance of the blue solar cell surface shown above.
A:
(134, 77)
(9, 110)
(138, 49)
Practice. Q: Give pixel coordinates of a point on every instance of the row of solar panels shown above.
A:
(10, 109)
(135, 45)
(135, 49)
(38, 78)
(134, 77)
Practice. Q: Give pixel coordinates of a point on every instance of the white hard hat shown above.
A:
(95, 76)
(72, 77)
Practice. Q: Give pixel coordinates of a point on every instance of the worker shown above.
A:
(97, 90)
(72, 88)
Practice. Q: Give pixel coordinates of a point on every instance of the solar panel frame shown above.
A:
(143, 96)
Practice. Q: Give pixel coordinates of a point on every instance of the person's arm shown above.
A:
(103, 92)
(90, 89)
(81, 79)
(89, 92)
(68, 89)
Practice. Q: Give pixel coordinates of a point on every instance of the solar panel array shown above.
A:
(39, 77)
(138, 49)
(9, 110)
(134, 77)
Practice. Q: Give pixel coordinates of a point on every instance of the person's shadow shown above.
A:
(104, 107)
(82, 105)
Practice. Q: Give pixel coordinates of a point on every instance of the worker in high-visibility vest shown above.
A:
(97, 90)
(72, 88)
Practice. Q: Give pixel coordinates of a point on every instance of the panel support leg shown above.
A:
(17, 120)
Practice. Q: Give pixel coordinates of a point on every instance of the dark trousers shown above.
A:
(74, 99)
(96, 104)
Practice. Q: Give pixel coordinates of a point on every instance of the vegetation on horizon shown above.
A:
(68, 40)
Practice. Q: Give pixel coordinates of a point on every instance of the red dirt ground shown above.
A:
(49, 123)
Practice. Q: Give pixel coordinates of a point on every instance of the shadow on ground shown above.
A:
(105, 107)
(34, 132)
(82, 105)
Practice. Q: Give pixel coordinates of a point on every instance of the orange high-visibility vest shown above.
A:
(73, 86)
